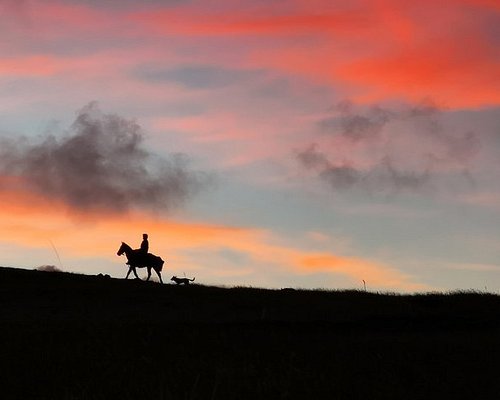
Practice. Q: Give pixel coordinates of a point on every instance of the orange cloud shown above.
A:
(373, 273)
(32, 222)
(443, 70)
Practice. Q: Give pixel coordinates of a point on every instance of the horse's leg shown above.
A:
(128, 273)
(159, 275)
(149, 273)
(135, 272)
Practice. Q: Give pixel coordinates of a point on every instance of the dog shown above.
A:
(181, 281)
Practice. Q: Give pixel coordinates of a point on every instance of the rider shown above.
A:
(145, 244)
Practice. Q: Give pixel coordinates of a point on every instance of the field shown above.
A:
(69, 336)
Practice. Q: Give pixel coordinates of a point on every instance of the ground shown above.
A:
(70, 336)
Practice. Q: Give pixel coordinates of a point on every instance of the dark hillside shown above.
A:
(69, 336)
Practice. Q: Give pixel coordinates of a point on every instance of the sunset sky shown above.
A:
(276, 143)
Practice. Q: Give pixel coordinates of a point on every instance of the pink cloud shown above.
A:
(30, 66)
(376, 50)
(367, 51)
(370, 50)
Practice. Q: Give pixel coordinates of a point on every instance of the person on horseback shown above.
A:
(139, 258)
(142, 252)
(145, 244)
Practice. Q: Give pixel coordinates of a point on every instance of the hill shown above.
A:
(70, 336)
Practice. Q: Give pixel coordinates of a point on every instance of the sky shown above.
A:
(278, 143)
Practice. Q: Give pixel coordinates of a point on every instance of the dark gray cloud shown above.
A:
(381, 177)
(391, 150)
(355, 126)
(341, 176)
(463, 147)
(358, 124)
(337, 176)
(101, 163)
(412, 180)
(425, 108)
(197, 76)
(457, 146)
(311, 158)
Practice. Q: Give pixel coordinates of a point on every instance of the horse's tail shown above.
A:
(160, 264)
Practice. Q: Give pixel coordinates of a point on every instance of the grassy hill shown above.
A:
(69, 336)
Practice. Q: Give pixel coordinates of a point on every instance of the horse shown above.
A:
(137, 259)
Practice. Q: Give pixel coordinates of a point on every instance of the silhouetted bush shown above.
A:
(48, 268)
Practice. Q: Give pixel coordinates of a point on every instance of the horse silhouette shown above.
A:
(139, 259)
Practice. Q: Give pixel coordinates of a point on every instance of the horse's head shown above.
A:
(121, 250)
